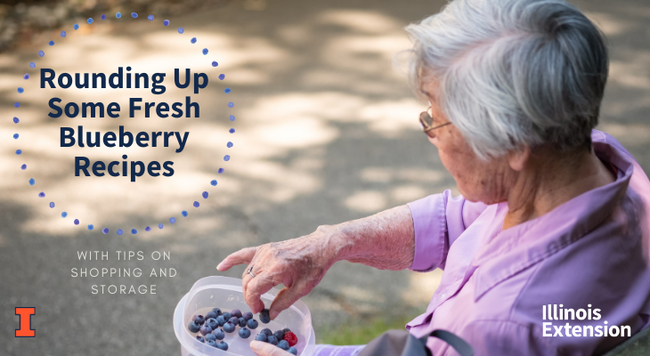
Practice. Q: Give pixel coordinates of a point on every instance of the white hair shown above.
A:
(513, 73)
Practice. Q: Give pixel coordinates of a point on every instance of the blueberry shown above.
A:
(264, 316)
(211, 315)
(217, 311)
(193, 327)
(283, 344)
(221, 320)
(244, 333)
(227, 316)
(272, 340)
(205, 329)
(286, 330)
(252, 323)
(248, 316)
(212, 323)
(222, 346)
(219, 334)
(279, 334)
(242, 322)
(236, 312)
(261, 337)
(200, 338)
(199, 319)
(228, 327)
(210, 337)
(212, 343)
(267, 331)
(293, 350)
(234, 320)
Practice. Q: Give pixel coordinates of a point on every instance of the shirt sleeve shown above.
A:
(438, 220)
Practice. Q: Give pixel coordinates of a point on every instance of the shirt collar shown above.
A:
(522, 246)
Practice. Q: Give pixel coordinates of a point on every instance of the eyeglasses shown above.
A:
(426, 121)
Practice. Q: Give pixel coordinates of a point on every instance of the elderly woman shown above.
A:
(548, 243)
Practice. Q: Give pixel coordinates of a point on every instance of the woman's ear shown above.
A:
(518, 159)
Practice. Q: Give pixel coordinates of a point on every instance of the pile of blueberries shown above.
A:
(284, 339)
(208, 327)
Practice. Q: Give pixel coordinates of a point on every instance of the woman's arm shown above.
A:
(416, 236)
(384, 240)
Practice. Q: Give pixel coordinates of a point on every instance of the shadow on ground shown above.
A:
(326, 132)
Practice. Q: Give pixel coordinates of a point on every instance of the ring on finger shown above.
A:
(250, 271)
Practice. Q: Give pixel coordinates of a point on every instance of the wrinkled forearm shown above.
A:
(385, 240)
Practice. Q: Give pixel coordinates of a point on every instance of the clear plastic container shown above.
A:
(226, 293)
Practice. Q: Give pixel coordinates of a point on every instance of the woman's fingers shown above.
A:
(237, 258)
(255, 288)
(264, 349)
(286, 298)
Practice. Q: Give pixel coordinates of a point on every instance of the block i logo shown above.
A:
(25, 322)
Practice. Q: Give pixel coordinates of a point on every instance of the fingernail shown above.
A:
(273, 314)
(256, 345)
(218, 266)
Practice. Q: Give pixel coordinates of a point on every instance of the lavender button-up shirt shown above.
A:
(567, 282)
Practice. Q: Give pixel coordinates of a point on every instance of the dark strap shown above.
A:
(401, 343)
(461, 346)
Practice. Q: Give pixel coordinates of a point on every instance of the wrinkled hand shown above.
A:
(264, 349)
(299, 264)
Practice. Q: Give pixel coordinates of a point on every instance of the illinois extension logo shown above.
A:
(25, 322)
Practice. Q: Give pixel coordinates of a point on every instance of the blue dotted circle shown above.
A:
(16, 120)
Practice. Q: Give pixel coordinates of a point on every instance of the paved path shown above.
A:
(326, 131)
